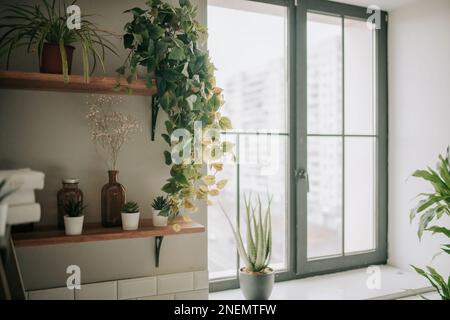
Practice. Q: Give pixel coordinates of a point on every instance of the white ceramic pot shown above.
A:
(130, 221)
(159, 221)
(3, 218)
(73, 225)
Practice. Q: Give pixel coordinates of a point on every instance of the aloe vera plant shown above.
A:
(257, 252)
(431, 208)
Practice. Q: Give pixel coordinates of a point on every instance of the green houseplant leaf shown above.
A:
(431, 208)
(165, 40)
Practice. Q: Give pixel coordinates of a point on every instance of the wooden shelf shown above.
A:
(95, 232)
(55, 82)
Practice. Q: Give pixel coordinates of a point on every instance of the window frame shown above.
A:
(297, 263)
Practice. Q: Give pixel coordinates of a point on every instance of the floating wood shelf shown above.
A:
(95, 232)
(55, 82)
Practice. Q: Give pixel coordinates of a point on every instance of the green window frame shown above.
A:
(298, 265)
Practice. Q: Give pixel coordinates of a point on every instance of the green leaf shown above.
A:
(176, 54)
(128, 40)
(121, 70)
(225, 123)
(168, 158)
(169, 126)
(437, 229)
(166, 138)
(136, 11)
(155, 32)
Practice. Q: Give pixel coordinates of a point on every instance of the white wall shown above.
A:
(419, 120)
(47, 131)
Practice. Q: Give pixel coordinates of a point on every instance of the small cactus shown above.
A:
(74, 208)
(159, 203)
(130, 207)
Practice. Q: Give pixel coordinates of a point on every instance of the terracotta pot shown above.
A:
(113, 199)
(51, 58)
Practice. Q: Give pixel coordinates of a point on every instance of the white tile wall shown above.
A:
(160, 297)
(52, 294)
(177, 282)
(135, 288)
(97, 291)
(192, 295)
(201, 280)
(181, 286)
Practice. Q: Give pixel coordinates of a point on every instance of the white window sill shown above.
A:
(349, 285)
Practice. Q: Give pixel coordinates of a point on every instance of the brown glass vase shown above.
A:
(69, 191)
(113, 199)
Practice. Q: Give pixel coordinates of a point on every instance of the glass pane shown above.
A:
(250, 55)
(359, 194)
(359, 78)
(221, 246)
(324, 49)
(262, 170)
(325, 196)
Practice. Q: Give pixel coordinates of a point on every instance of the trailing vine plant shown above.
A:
(165, 40)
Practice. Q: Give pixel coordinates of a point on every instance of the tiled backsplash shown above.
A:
(181, 286)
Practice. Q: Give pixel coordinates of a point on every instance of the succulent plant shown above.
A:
(130, 207)
(74, 208)
(162, 205)
(256, 256)
(159, 203)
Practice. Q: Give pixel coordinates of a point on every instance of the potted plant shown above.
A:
(432, 208)
(73, 220)
(161, 211)
(165, 39)
(42, 28)
(256, 279)
(130, 216)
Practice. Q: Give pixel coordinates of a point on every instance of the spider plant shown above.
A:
(431, 208)
(32, 26)
(256, 255)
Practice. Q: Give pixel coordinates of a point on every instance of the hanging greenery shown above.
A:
(165, 40)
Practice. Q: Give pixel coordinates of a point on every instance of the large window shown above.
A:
(248, 42)
(305, 86)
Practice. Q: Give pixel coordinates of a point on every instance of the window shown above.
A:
(250, 55)
(305, 87)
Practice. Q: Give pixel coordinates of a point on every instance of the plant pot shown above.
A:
(256, 286)
(51, 61)
(113, 199)
(3, 218)
(73, 225)
(159, 221)
(130, 221)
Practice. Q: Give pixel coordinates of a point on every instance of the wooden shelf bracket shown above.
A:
(154, 111)
(158, 244)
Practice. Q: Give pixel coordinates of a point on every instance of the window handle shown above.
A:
(302, 174)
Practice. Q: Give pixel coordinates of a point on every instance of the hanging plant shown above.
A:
(164, 39)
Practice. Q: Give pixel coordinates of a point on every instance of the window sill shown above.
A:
(349, 285)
